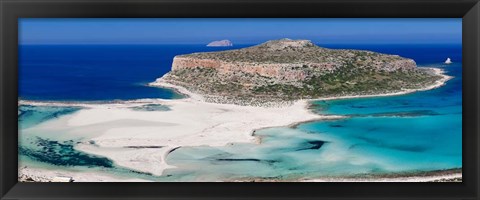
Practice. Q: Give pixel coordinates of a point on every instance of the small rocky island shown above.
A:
(295, 69)
(220, 43)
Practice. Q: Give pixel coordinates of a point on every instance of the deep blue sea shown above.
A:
(97, 72)
(120, 72)
(407, 133)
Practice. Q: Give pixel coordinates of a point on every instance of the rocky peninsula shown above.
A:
(288, 70)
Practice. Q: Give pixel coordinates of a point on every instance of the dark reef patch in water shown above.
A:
(355, 106)
(63, 154)
(415, 113)
(239, 159)
(411, 148)
(311, 145)
(31, 115)
(50, 111)
(336, 125)
(269, 162)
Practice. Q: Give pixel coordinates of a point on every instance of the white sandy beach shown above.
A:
(114, 128)
(141, 140)
(188, 123)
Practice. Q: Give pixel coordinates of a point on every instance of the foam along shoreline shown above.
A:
(113, 128)
(160, 83)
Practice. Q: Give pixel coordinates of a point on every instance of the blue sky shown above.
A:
(239, 31)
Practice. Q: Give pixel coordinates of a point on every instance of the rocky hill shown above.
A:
(295, 69)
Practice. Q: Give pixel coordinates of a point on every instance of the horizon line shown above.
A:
(326, 43)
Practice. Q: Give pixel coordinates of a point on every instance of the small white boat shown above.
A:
(448, 61)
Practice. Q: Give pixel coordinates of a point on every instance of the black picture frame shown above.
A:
(11, 10)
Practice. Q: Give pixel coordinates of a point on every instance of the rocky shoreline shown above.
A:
(269, 102)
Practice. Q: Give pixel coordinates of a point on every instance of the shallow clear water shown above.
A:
(151, 107)
(37, 145)
(406, 133)
(421, 131)
(54, 149)
(29, 116)
(370, 143)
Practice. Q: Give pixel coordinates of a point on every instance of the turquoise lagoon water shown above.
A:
(380, 135)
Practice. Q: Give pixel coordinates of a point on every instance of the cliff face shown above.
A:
(293, 69)
(280, 71)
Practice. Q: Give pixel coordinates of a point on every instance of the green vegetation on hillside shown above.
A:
(296, 69)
